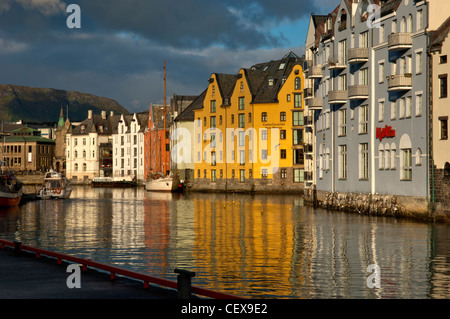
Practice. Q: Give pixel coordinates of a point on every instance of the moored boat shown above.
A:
(55, 185)
(10, 190)
(112, 182)
(163, 184)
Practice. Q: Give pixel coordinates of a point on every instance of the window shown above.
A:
(342, 161)
(406, 164)
(444, 127)
(364, 39)
(381, 72)
(264, 117)
(443, 85)
(363, 119)
(213, 140)
(270, 82)
(242, 86)
(297, 118)
(419, 24)
(342, 122)
(402, 108)
(418, 62)
(264, 154)
(241, 103)
(249, 117)
(380, 111)
(264, 134)
(232, 118)
(241, 120)
(204, 121)
(297, 83)
(283, 173)
(342, 58)
(381, 34)
(418, 157)
(387, 157)
(419, 105)
(242, 175)
(241, 138)
(220, 120)
(282, 134)
(297, 137)
(393, 110)
(212, 122)
(242, 157)
(298, 175)
(213, 175)
(282, 116)
(298, 157)
(264, 172)
(443, 59)
(198, 173)
(364, 161)
(297, 100)
(408, 107)
(364, 77)
(393, 157)
(381, 157)
(282, 154)
(213, 158)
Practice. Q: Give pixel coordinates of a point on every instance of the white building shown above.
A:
(128, 147)
(88, 147)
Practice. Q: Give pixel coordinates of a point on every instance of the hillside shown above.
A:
(44, 105)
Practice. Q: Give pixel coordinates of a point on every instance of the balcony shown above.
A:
(358, 92)
(307, 93)
(335, 65)
(308, 148)
(315, 72)
(399, 41)
(399, 82)
(337, 97)
(358, 55)
(315, 103)
(309, 121)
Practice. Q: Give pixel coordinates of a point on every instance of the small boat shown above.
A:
(163, 184)
(55, 185)
(112, 182)
(11, 192)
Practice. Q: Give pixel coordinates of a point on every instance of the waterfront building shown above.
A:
(157, 143)
(366, 72)
(26, 150)
(182, 162)
(439, 51)
(128, 147)
(249, 130)
(89, 147)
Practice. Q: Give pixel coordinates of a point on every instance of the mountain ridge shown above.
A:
(32, 104)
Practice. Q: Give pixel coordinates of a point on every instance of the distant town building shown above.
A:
(62, 128)
(26, 150)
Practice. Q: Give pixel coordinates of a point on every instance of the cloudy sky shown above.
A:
(120, 49)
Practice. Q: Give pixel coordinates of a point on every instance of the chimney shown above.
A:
(89, 114)
(104, 115)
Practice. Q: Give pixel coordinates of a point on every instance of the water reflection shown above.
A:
(254, 246)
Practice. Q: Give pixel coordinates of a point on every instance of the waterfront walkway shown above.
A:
(28, 272)
(27, 277)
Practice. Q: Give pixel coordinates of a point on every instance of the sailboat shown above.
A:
(161, 182)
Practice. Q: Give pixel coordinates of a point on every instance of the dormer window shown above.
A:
(83, 128)
(282, 65)
(271, 82)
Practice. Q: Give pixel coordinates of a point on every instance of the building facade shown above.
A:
(89, 147)
(367, 78)
(128, 147)
(249, 130)
(26, 150)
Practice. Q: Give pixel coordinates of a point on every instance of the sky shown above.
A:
(120, 48)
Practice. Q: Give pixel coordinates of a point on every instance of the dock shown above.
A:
(33, 273)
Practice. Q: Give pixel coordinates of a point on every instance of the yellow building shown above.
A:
(249, 133)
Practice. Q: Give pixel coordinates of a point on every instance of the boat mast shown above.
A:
(164, 134)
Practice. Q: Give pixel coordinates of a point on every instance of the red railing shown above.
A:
(115, 270)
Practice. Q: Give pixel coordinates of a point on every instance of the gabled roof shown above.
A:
(226, 83)
(93, 124)
(188, 114)
(436, 38)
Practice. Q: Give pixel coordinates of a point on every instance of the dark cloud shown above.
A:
(120, 49)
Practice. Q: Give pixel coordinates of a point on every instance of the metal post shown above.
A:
(17, 247)
(184, 283)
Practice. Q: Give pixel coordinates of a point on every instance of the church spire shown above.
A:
(61, 118)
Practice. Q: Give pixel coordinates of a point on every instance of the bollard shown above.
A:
(17, 248)
(184, 283)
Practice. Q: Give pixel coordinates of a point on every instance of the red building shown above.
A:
(157, 143)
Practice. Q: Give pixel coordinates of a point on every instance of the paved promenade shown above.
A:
(28, 277)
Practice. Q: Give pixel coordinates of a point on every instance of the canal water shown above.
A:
(261, 246)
